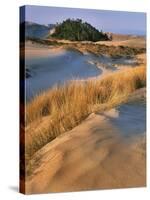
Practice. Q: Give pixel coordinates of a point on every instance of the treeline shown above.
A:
(77, 30)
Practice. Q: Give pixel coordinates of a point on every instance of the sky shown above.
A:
(108, 21)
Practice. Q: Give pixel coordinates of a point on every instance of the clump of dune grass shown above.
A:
(64, 107)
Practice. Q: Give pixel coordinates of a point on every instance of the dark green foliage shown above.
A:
(76, 30)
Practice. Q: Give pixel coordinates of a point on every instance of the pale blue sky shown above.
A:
(114, 21)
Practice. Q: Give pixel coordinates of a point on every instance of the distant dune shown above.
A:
(121, 37)
(126, 40)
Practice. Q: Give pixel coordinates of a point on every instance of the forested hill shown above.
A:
(77, 30)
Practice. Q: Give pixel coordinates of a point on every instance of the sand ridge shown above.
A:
(93, 155)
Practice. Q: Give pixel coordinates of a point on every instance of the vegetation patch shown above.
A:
(77, 30)
(63, 107)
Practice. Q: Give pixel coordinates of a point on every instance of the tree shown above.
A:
(76, 30)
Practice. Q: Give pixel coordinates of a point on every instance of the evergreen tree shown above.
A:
(76, 30)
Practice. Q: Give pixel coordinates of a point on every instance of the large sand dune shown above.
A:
(93, 155)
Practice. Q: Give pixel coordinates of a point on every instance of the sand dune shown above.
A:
(139, 42)
(32, 50)
(93, 155)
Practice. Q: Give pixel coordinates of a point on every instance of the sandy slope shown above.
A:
(36, 51)
(33, 49)
(118, 39)
(131, 42)
(93, 155)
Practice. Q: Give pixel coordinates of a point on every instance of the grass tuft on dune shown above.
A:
(64, 107)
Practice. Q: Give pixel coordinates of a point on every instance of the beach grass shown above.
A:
(61, 108)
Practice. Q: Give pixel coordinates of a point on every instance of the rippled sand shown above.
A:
(99, 153)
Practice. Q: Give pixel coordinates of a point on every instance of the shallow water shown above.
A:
(56, 69)
(51, 68)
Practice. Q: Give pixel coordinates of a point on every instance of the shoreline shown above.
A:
(101, 62)
(99, 48)
(35, 51)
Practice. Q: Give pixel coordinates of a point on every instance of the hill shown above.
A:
(34, 30)
(77, 30)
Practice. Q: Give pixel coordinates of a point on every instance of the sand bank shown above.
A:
(93, 155)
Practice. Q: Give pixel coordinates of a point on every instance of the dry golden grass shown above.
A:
(64, 107)
(137, 42)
